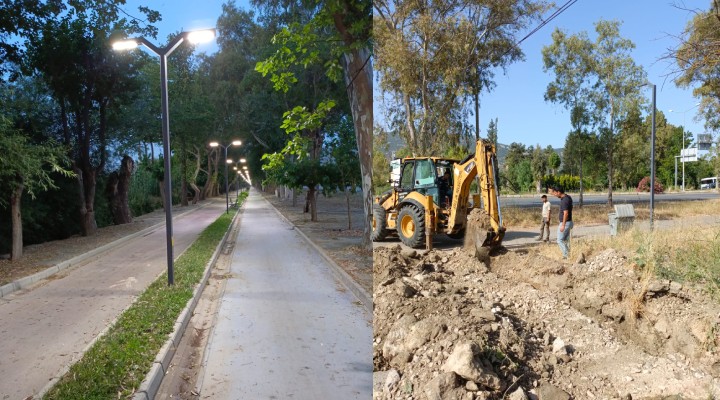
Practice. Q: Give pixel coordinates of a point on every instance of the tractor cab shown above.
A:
(427, 176)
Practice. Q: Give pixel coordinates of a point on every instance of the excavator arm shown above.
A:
(483, 164)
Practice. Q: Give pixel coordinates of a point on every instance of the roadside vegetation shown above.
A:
(117, 363)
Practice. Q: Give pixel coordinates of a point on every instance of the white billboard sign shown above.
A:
(688, 155)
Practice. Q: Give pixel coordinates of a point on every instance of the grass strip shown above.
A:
(116, 364)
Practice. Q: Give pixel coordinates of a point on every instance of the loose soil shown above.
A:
(519, 325)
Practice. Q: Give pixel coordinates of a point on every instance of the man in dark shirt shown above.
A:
(565, 217)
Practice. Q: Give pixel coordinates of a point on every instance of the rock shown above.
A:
(424, 331)
(440, 387)
(463, 362)
(483, 315)
(662, 327)
(549, 392)
(471, 386)
(658, 286)
(519, 394)
(580, 259)
(559, 347)
(406, 290)
(394, 343)
(391, 380)
(675, 287)
(408, 253)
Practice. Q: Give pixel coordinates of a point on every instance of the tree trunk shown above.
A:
(311, 203)
(347, 201)
(86, 186)
(581, 184)
(16, 250)
(162, 192)
(183, 180)
(118, 188)
(358, 77)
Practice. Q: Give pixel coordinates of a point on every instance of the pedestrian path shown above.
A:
(286, 328)
(48, 327)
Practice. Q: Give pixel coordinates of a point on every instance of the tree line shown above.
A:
(82, 122)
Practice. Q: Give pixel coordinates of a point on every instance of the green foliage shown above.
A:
(144, 194)
(118, 362)
(28, 165)
(697, 60)
(430, 55)
(599, 82)
(381, 165)
(299, 118)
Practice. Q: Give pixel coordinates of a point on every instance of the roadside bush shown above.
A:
(644, 185)
(144, 195)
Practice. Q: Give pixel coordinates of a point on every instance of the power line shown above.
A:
(552, 16)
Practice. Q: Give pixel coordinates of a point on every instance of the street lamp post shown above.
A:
(227, 161)
(163, 53)
(682, 155)
(652, 160)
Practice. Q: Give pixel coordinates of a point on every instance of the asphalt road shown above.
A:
(618, 198)
(48, 327)
(286, 328)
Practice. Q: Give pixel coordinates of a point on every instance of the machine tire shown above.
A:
(411, 225)
(379, 224)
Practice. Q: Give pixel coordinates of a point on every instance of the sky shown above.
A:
(184, 15)
(517, 100)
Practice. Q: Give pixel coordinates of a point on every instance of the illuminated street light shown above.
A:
(163, 53)
(227, 161)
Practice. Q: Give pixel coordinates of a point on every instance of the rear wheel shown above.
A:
(411, 225)
(379, 224)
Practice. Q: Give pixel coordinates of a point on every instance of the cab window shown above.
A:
(424, 173)
(406, 179)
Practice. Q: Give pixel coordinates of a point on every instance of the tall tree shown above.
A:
(25, 167)
(539, 164)
(72, 53)
(600, 76)
(431, 54)
(698, 59)
(350, 25)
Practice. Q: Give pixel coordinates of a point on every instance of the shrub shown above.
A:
(644, 185)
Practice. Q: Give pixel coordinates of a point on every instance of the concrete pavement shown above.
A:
(48, 327)
(286, 327)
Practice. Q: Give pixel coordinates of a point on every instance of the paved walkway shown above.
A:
(48, 327)
(286, 328)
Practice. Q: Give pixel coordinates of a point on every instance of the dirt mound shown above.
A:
(519, 325)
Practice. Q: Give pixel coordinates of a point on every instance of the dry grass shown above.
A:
(598, 214)
(688, 254)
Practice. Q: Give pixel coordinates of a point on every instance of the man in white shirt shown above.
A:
(545, 227)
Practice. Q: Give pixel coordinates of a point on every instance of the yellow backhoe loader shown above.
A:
(432, 195)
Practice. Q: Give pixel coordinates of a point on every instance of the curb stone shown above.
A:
(79, 260)
(27, 281)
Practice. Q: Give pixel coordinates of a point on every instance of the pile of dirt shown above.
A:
(518, 325)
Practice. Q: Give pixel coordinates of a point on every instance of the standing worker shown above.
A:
(566, 223)
(545, 227)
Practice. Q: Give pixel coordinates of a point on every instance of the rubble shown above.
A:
(522, 326)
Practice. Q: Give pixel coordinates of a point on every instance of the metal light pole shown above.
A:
(216, 144)
(682, 155)
(652, 160)
(163, 53)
